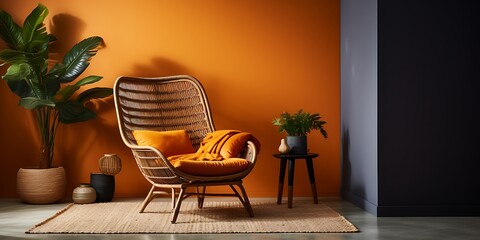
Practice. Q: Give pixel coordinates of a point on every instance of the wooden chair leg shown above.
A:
(178, 205)
(244, 199)
(201, 196)
(148, 199)
(173, 198)
(237, 194)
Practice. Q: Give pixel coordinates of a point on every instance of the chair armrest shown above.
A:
(153, 164)
(249, 152)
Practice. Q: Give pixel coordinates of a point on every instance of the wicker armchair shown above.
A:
(172, 103)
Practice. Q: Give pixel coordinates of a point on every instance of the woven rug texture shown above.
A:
(214, 217)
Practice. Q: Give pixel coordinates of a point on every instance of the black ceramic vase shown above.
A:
(297, 144)
(104, 185)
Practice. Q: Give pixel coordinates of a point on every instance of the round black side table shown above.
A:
(291, 171)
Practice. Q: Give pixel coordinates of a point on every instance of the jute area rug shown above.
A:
(214, 217)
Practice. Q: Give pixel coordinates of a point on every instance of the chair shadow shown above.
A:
(159, 67)
(234, 211)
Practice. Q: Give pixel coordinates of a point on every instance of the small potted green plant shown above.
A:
(297, 126)
(48, 91)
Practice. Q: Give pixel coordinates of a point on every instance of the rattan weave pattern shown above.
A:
(166, 106)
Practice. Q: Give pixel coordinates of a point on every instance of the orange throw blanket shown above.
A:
(219, 145)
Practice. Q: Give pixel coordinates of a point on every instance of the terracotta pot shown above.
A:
(41, 186)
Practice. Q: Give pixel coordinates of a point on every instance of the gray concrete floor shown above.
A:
(16, 218)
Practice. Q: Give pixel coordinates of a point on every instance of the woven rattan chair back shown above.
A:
(164, 103)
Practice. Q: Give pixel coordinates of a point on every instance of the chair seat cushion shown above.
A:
(211, 168)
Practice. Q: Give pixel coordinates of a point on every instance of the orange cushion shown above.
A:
(168, 142)
(234, 145)
(211, 168)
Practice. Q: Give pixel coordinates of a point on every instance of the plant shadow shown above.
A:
(67, 29)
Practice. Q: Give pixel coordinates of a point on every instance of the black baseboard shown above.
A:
(428, 211)
(413, 211)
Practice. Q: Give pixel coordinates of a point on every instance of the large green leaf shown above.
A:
(24, 72)
(18, 72)
(10, 32)
(92, 93)
(77, 59)
(39, 41)
(36, 61)
(12, 56)
(73, 111)
(15, 78)
(88, 80)
(32, 103)
(33, 28)
(20, 88)
(66, 92)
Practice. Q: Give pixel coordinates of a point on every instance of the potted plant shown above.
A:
(297, 126)
(45, 86)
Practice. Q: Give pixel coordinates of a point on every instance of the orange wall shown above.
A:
(255, 59)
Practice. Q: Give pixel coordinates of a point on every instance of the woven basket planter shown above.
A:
(41, 186)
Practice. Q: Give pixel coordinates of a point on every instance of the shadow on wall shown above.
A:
(346, 171)
(160, 67)
(67, 29)
(82, 143)
(352, 189)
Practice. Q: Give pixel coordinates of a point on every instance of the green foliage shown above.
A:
(300, 123)
(45, 90)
